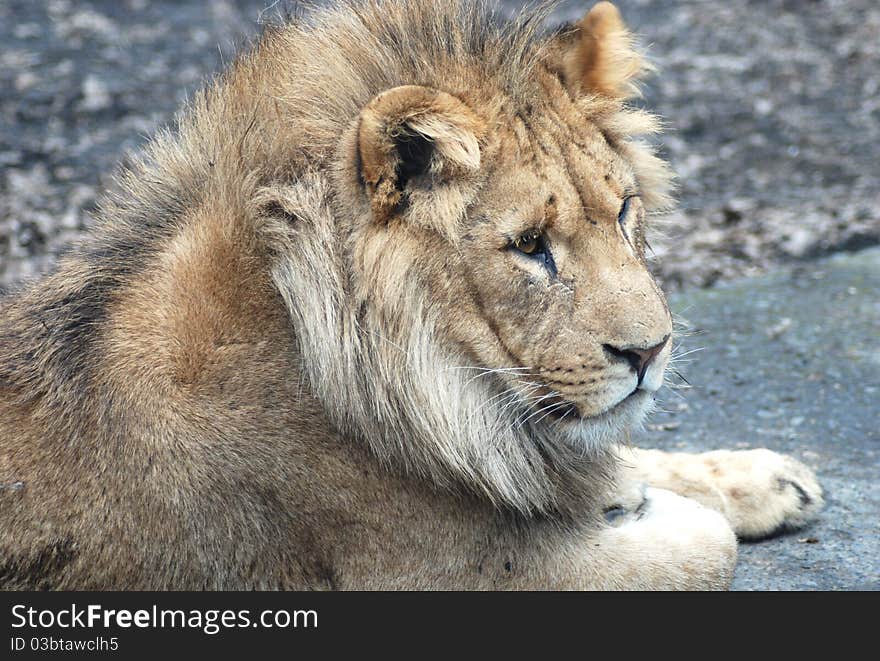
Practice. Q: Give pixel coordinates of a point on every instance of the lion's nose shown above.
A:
(639, 358)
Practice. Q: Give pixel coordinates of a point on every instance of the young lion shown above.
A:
(376, 315)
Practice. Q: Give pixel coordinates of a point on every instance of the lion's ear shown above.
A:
(599, 56)
(413, 136)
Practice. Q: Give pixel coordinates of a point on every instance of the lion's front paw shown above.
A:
(629, 500)
(763, 493)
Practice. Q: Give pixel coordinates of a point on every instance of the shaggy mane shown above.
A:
(380, 372)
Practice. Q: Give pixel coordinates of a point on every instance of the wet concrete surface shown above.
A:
(790, 361)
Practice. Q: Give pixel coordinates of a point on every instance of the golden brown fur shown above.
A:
(302, 350)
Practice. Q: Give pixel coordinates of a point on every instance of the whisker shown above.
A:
(522, 422)
(680, 376)
(501, 397)
(556, 423)
(485, 369)
(508, 398)
(552, 409)
(490, 372)
(688, 353)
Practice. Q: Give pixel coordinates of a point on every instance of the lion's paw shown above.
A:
(629, 500)
(763, 493)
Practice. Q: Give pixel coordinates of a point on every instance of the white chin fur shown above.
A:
(600, 431)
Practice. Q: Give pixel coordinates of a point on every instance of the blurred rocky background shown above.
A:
(773, 114)
(773, 108)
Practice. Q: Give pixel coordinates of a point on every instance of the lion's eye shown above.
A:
(533, 244)
(623, 217)
(529, 244)
(624, 209)
(630, 218)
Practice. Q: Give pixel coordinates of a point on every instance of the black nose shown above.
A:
(639, 358)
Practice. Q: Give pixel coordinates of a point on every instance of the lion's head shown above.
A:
(465, 263)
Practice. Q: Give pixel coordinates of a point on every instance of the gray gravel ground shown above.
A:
(773, 109)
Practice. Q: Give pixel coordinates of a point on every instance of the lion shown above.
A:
(375, 314)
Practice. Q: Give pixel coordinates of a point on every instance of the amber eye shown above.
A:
(530, 243)
(533, 244)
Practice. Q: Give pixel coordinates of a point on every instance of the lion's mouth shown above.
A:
(563, 410)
